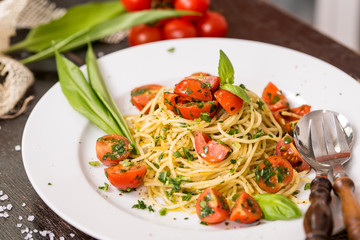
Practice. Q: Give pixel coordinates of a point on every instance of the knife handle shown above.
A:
(344, 188)
(318, 222)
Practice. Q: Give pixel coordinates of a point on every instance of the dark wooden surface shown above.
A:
(248, 19)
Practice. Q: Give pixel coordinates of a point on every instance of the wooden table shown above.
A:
(248, 19)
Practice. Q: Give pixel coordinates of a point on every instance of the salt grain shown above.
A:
(23, 205)
(4, 197)
(51, 236)
(9, 206)
(35, 230)
(43, 233)
(20, 217)
(25, 230)
(19, 225)
(1, 192)
(2, 208)
(5, 215)
(17, 148)
(72, 235)
(28, 236)
(31, 218)
(61, 238)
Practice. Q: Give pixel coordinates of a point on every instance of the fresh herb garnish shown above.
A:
(95, 163)
(105, 187)
(226, 74)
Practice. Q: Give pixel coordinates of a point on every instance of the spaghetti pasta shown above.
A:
(177, 174)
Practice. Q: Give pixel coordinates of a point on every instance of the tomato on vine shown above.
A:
(212, 24)
(136, 5)
(141, 34)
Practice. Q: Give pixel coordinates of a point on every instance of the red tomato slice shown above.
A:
(211, 206)
(170, 100)
(274, 98)
(193, 110)
(302, 110)
(111, 149)
(126, 178)
(245, 209)
(286, 148)
(141, 96)
(229, 101)
(210, 80)
(193, 89)
(274, 174)
(290, 127)
(210, 150)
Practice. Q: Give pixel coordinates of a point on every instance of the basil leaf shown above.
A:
(103, 29)
(76, 18)
(98, 85)
(82, 97)
(238, 91)
(225, 69)
(277, 207)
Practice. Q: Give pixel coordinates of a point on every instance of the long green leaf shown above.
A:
(77, 18)
(81, 96)
(225, 69)
(119, 23)
(98, 85)
(238, 91)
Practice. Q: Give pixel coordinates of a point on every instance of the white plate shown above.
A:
(58, 142)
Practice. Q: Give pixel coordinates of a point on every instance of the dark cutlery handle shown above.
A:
(344, 188)
(318, 221)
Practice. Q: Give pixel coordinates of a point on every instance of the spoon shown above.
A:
(324, 139)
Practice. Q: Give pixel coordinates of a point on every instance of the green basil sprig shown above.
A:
(103, 29)
(91, 99)
(277, 207)
(226, 74)
(79, 17)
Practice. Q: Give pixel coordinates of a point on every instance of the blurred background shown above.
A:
(338, 19)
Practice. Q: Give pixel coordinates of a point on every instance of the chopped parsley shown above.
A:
(95, 163)
(163, 211)
(260, 104)
(307, 186)
(105, 187)
(205, 116)
(139, 91)
(171, 50)
(187, 154)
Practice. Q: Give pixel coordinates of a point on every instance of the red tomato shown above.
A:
(193, 89)
(111, 149)
(193, 110)
(211, 81)
(245, 209)
(211, 206)
(136, 5)
(192, 5)
(126, 178)
(170, 100)
(210, 150)
(212, 24)
(141, 96)
(274, 174)
(302, 110)
(178, 28)
(229, 101)
(274, 98)
(290, 127)
(143, 34)
(286, 148)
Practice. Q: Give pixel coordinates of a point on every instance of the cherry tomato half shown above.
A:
(126, 178)
(193, 89)
(245, 209)
(192, 5)
(286, 148)
(193, 110)
(210, 150)
(211, 206)
(170, 100)
(141, 96)
(111, 149)
(274, 174)
(302, 110)
(212, 24)
(141, 34)
(178, 28)
(211, 81)
(136, 5)
(274, 98)
(229, 101)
